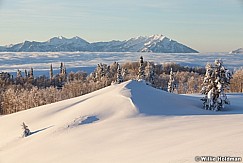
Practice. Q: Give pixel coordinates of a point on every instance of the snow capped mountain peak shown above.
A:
(57, 40)
(61, 37)
(76, 38)
(141, 37)
(152, 41)
(150, 38)
(137, 38)
(63, 40)
(237, 51)
(161, 44)
(157, 37)
(156, 43)
(9, 46)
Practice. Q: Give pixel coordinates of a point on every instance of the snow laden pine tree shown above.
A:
(149, 69)
(19, 74)
(51, 72)
(31, 73)
(119, 77)
(171, 83)
(141, 75)
(217, 79)
(124, 73)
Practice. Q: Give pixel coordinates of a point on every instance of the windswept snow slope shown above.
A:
(129, 122)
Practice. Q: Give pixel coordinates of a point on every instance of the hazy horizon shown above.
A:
(206, 26)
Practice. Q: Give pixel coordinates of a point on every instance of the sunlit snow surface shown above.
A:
(126, 123)
(86, 61)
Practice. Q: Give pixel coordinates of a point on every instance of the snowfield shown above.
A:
(130, 122)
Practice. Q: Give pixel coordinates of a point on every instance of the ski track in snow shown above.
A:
(130, 122)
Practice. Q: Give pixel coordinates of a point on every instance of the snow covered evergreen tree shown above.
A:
(98, 72)
(124, 73)
(149, 69)
(171, 83)
(141, 75)
(217, 79)
(31, 73)
(61, 68)
(51, 72)
(26, 74)
(19, 74)
(119, 78)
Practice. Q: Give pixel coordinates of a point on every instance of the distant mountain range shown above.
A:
(154, 43)
(237, 51)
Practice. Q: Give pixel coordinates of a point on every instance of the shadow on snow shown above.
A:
(34, 132)
(155, 102)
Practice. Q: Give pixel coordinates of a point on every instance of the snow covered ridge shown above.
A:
(154, 43)
(237, 51)
(128, 122)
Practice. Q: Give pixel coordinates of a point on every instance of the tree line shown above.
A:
(27, 91)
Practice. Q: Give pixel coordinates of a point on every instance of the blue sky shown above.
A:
(205, 25)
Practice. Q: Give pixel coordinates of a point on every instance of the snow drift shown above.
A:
(129, 122)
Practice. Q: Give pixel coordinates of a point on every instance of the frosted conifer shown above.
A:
(119, 78)
(217, 79)
(149, 69)
(141, 69)
(124, 73)
(19, 74)
(31, 73)
(51, 72)
(171, 83)
(26, 74)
